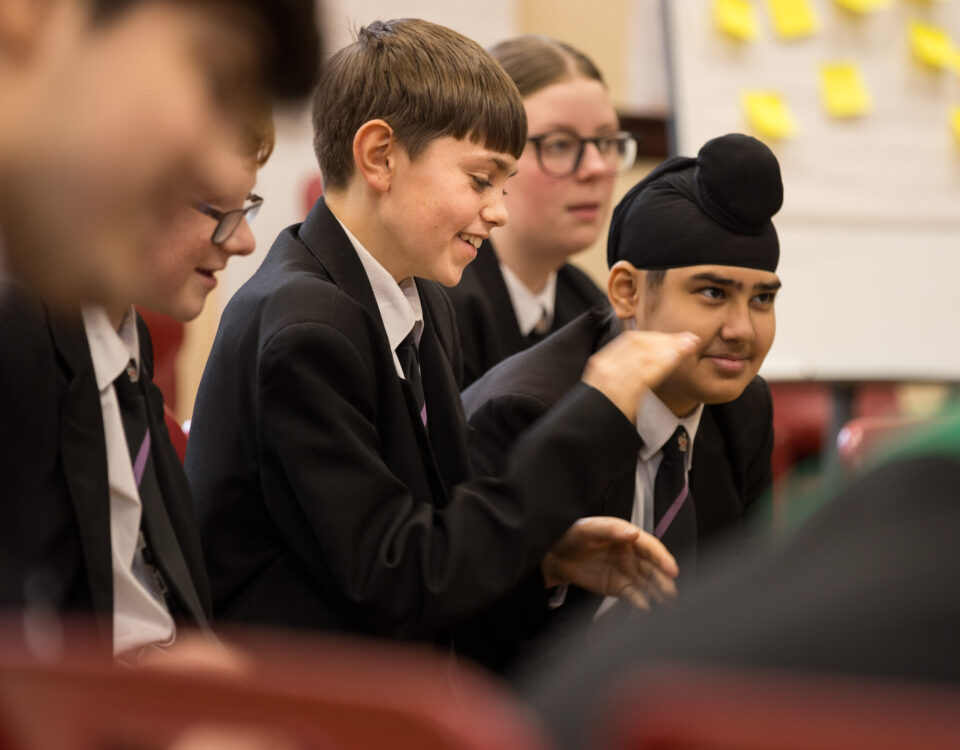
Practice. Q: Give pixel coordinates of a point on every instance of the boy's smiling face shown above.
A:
(731, 309)
(441, 205)
(183, 258)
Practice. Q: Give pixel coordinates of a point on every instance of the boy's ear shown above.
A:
(374, 154)
(625, 289)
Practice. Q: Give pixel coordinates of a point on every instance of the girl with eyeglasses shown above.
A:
(521, 287)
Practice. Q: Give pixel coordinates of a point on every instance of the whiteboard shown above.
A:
(870, 227)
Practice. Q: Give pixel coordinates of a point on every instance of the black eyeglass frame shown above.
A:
(228, 221)
(621, 135)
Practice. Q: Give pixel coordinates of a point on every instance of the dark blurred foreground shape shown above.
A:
(726, 709)
(866, 588)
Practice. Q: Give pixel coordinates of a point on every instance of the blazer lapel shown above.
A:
(446, 423)
(159, 522)
(83, 451)
(326, 241)
(716, 491)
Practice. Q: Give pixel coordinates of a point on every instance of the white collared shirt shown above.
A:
(655, 425)
(138, 618)
(399, 303)
(531, 308)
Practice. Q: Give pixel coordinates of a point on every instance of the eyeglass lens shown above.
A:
(231, 220)
(561, 153)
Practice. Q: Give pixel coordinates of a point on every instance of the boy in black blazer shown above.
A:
(328, 450)
(691, 248)
(98, 517)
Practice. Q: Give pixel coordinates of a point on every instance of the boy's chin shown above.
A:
(450, 277)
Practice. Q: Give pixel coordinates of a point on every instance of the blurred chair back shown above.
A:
(862, 438)
(322, 694)
(167, 336)
(720, 709)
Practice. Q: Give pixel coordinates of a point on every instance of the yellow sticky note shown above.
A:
(844, 91)
(864, 6)
(736, 18)
(931, 45)
(768, 114)
(793, 18)
(955, 121)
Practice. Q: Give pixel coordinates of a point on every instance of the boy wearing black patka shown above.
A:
(691, 248)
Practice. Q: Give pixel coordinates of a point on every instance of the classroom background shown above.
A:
(859, 99)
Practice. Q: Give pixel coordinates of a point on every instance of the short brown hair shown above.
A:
(534, 62)
(258, 135)
(426, 81)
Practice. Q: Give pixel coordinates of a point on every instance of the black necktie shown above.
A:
(540, 330)
(674, 517)
(159, 549)
(410, 364)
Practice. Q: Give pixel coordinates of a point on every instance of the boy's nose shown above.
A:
(242, 241)
(738, 324)
(495, 212)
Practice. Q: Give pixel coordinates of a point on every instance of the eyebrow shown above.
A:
(760, 286)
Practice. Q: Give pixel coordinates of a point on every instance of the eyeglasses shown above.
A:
(228, 221)
(560, 152)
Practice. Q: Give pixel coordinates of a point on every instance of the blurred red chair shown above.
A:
(167, 336)
(324, 694)
(713, 708)
(863, 438)
(803, 413)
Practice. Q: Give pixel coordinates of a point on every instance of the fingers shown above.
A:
(605, 529)
(635, 362)
(635, 596)
(660, 587)
(649, 547)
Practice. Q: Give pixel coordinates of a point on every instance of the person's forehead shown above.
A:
(469, 153)
(579, 101)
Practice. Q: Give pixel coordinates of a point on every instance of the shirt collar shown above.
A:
(399, 303)
(529, 307)
(111, 349)
(656, 423)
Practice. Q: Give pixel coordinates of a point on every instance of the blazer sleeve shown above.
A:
(495, 427)
(403, 565)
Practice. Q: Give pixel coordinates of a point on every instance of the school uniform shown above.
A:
(727, 459)
(488, 304)
(80, 532)
(329, 498)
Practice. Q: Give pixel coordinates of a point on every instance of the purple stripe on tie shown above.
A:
(671, 512)
(141, 463)
(423, 415)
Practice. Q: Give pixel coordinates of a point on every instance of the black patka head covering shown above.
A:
(712, 210)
